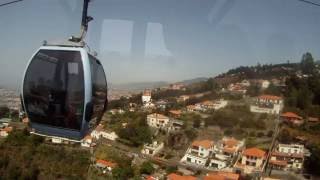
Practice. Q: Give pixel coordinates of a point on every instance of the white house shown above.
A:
(218, 104)
(198, 153)
(146, 96)
(288, 157)
(86, 141)
(105, 165)
(245, 83)
(174, 125)
(225, 151)
(99, 132)
(251, 161)
(5, 131)
(152, 149)
(265, 84)
(116, 111)
(267, 104)
(111, 135)
(96, 133)
(157, 121)
(217, 163)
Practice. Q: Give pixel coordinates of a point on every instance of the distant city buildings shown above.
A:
(177, 86)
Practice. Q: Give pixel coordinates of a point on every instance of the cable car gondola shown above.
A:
(64, 87)
(64, 90)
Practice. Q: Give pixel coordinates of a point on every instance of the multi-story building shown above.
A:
(158, 121)
(224, 153)
(288, 157)
(198, 153)
(183, 98)
(146, 96)
(252, 160)
(267, 104)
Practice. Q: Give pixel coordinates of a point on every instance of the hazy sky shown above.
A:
(163, 40)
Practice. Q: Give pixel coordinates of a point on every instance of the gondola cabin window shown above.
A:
(99, 89)
(54, 89)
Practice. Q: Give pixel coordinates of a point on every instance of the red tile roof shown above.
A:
(255, 152)
(160, 116)
(7, 129)
(147, 93)
(222, 176)
(282, 154)
(106, 163)
(230, 142)
(203, 143)
(174, 176)
(278, 163)
(229, 150)
(175, 112)
(270, 97)
(290, 115)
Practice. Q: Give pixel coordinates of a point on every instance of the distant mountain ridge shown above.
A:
(139, 86)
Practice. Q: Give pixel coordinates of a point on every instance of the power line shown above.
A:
(4, 4)
(310, 2)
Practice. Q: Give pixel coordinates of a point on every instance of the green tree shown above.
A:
(122, 172)
(307, 63)
(196, 123)
(146, 168)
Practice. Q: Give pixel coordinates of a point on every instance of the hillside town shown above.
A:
(223, 128)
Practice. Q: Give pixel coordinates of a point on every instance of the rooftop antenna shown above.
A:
(84, 23)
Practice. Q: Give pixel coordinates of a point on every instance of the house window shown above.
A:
(189, 159)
